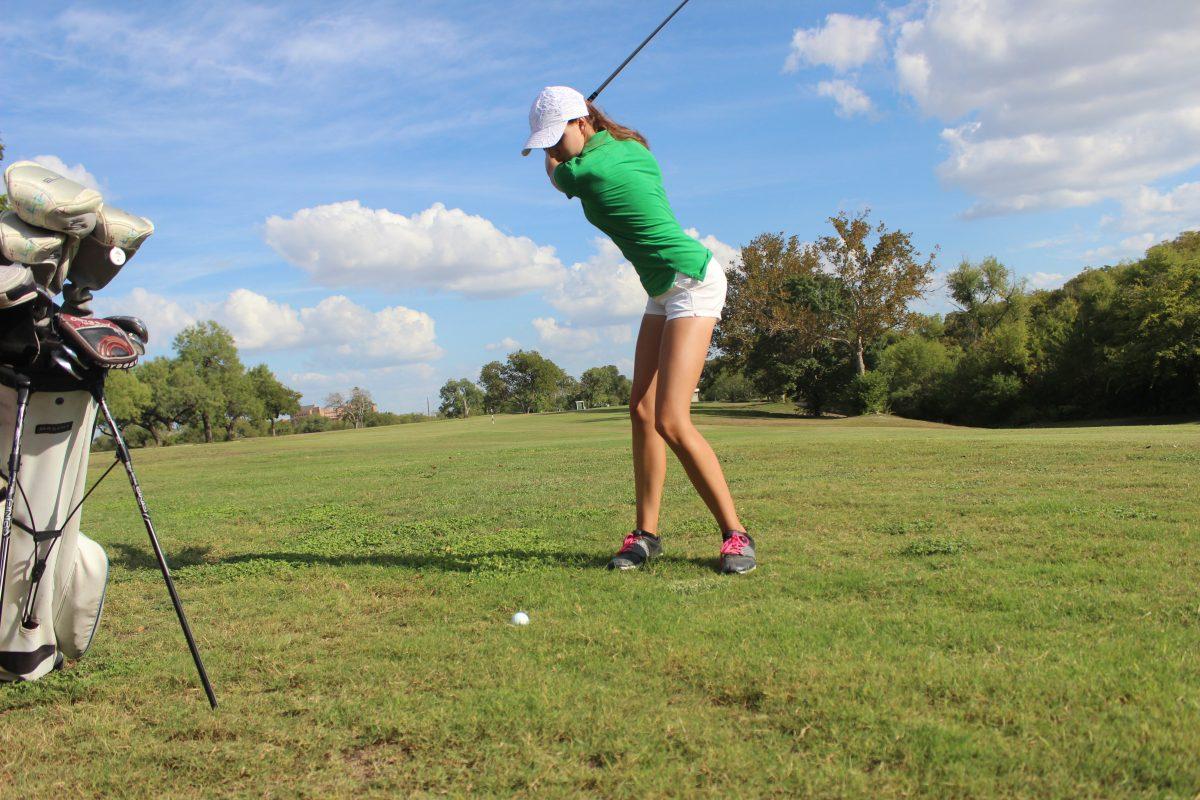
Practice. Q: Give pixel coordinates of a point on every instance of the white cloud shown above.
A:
(347, 244)
(850, 99)
(558, 336)
(258, 323)
(1177, 209)
(77, 173)
(603, 289)
(211, 46)
(1056, 105)
(336, 330)
(507, 343)
(1046, 280)
(729, 256)
(844, 43)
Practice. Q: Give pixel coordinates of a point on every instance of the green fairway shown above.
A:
(939, 612)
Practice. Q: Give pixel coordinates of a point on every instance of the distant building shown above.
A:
(317, 411)
(695, 395)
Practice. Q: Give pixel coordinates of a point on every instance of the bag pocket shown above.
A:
(76, 620)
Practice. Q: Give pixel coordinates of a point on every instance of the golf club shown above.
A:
(65, 364)
(14, 466)
(645, 42)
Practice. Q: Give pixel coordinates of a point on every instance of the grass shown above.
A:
(940, 612)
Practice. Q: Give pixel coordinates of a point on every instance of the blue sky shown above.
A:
(341, 185)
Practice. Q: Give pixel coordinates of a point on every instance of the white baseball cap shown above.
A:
(552, 109)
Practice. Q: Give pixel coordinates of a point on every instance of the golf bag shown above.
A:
(56, 576)
(53, 364)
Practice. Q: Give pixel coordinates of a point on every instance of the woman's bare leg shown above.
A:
(649, 449)
(683, 349)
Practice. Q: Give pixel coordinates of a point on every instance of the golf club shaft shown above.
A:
(10, 494)
(123, 455)
(617, 71)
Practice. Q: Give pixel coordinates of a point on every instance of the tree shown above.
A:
(459, 397)
(275, 398)
(209, 351)
(604, 386)
(495, 390)
(986, 294)
(533, 382)
(240, 402)
(878, 280)
(335, 400)
(127, 397)
(358, 407)
(723, 381)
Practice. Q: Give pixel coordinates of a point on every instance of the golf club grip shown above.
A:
(123, 454)
(645, 42)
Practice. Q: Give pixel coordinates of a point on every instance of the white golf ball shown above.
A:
(520, 618)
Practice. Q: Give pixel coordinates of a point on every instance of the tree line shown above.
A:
(829, 326)
(205, 392)
(527, 382)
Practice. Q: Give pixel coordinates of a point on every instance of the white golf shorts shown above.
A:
(689, 297)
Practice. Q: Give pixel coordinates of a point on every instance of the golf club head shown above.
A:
(139, 344)
(133, 326)
(74, 359)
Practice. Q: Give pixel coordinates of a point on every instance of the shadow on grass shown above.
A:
(732, 413)
(501, 560)
(133, 557)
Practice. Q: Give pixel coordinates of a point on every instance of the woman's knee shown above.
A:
(641, 412)
(672, 427)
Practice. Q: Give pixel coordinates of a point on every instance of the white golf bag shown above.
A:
(56, 576)
(53, 363)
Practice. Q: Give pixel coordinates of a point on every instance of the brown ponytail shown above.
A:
(601, 122)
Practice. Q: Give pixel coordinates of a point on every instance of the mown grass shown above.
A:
(940, 612)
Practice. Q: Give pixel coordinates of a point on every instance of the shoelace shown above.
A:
(735, 545)
(630, 542)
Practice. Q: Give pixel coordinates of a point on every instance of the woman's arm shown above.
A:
(551, 163)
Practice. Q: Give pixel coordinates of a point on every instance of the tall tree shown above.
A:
(534, 382)
(276, 399)
(496, 396)
(604, 386)
(208, 350)
(241, 401)
(358, 407)
(128, 398)
(987, 295)
(460, 397)
(878, 279)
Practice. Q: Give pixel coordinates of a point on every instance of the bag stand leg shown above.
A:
(123, 457)
(14, 466)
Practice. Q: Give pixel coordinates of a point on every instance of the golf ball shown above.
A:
(520, 618)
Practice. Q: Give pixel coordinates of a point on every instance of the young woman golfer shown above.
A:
(609, 168)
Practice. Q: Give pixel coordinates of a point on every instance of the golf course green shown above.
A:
(938, 612)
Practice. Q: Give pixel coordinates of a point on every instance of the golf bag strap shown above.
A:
(98, 341)
(38, 536)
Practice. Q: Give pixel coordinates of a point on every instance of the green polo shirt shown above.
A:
(620, 186)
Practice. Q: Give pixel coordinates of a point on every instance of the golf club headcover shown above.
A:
(117, 236)
(23, 243)
(97, 340)
(16, 285)
(46, 199)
